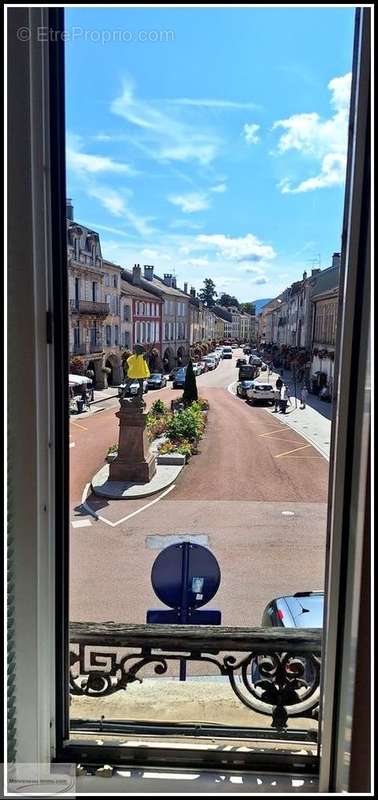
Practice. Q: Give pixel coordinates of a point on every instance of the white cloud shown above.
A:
(220, 187)
(332, 173)
(191, 202)
(169, 138)
(90, 163)
(323, 140)
(261, 281)
(213, 103)
(250, 133)
(243, 248)
(115, 203)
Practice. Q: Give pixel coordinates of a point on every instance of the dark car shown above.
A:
(241, 388)
(300, 610)
(179, 379)
(241, 361)
(156, 381)
(172, 373)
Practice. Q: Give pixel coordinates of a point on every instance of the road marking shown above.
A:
(81, 523)
(273, 434)
(77, 425)
(133, 514)
(293, 451)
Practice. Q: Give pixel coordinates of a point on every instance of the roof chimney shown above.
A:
(315, 271)
(168, 279)
(193, 291)
(186, 288)
(336, 260)
(69, 209)
(148, 272)
(304, 276)
(174, 283)
(136, 274)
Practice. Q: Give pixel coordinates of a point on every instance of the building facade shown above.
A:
(88, 308)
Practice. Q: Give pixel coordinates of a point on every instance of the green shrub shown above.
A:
(158, 408)
(203, 404)
(188, 424)
(185, 448)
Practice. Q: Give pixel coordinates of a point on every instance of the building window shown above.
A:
(126, 339)
(116, 342)
(126, 313)
(106, 276)
(108, 333)
(94, 291)
(115, 282)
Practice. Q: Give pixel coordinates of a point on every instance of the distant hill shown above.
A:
(260, 303)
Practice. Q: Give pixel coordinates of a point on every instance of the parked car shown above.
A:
(173, 373)
(179, 379)
(299, 610)
(204, 367)
(131, 388)
(242, 387)
(261, 392)
(216, 356)
(241, 361)
(156, 381)
(254, 359)
(210, 361)
(248, 372)
(263, 367)
(197, 369)
(227, 352)
(246, 350)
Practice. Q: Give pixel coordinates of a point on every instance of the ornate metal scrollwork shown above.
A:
(280, 684)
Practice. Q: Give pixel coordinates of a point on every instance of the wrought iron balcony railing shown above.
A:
(272, 671)
(89, 307)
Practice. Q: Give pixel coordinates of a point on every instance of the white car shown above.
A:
(227, 352)
(197, 368)
(210, 361)
(261, 392)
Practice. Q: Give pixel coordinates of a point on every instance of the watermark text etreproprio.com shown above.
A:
(45, 34)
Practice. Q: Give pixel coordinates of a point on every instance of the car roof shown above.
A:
(305, 609)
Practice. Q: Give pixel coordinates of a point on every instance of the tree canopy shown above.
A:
(208, 294)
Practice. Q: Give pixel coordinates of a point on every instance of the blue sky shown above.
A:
(210, 142)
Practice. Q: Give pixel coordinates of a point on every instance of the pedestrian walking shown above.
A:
(304, 395)
(283, 399)
(279, 383)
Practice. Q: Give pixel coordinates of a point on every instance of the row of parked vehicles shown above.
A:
(248, 387)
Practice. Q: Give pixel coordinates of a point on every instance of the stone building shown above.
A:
(88, 309)
(175, 316)
(145, 313)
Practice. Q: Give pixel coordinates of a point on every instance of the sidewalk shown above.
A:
(312, 422)
(101, 396)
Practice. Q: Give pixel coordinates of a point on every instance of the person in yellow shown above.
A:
(137, 368)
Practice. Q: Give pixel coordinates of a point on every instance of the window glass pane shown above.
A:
(231, 181)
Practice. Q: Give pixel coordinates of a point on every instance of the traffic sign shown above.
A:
(185, 577)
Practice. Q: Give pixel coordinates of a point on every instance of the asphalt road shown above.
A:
(256, 495)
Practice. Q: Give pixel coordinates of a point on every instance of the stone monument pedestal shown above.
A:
(134, 462)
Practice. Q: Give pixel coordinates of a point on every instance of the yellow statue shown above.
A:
(137, 367)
